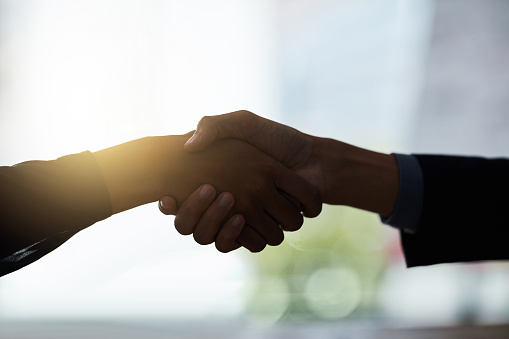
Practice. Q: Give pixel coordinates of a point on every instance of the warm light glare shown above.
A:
(89, 74)
(81, 75)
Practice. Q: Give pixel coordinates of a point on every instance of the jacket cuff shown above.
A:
(407, 211)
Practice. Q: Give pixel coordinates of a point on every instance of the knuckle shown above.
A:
(245, 117)
(205, 121)
(244, 113)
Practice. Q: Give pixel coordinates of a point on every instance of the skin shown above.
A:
(143, 170)
(343, 174)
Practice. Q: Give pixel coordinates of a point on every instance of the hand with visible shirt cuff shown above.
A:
(343, 174)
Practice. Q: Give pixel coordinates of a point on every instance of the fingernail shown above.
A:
(237, 221)
(194, 139)
(161, 204)
(206, 192)
(224, 200)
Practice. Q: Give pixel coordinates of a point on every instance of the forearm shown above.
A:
(357, 177)
(75, 191)
(69, 195)
(140, 171)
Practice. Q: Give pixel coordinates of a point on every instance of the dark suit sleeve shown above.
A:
(44, 203)
(463, 215)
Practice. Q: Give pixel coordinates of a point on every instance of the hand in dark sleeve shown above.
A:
(343, 174)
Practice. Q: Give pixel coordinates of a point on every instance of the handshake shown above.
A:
(239, 180)
(242, 180)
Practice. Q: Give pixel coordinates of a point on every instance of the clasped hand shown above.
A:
(246, 198)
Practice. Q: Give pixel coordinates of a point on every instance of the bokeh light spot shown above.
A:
(333, 292)
(269, 300)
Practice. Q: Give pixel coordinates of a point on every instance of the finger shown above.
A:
(211, 220)
(301, 190)
(267, 227)
(226, 239)
(168, 205)
(239, 124)
(286, 213)
(192, 209)
(251, 240)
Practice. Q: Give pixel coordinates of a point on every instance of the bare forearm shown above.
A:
(138, 172)
(357, 177)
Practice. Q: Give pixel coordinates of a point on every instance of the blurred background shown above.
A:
(388, 75)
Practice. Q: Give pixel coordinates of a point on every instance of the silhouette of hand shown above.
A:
(261, 187)
(285, 144)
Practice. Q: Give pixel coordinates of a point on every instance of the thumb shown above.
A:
(200, 139)
(237, 125)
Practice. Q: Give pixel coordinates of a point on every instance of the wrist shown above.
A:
(357, 177)
(135, 173)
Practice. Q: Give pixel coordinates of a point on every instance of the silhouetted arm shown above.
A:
(464, 208)
(76, 191)
(449, 208)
